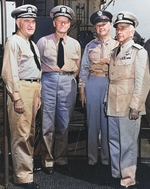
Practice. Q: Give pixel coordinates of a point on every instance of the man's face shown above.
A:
(26, 26)
(124, 33)
(62, 24)
(103, 29)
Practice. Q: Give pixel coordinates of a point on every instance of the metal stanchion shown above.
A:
(6, 167)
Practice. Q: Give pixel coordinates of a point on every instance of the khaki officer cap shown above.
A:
(62, 10)
(125, 17)
(25, 11)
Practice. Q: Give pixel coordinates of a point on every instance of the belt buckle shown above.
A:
(31, 80)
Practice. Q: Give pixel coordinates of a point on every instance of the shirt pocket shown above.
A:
(95, 55)
(125, 62)
(25, 55)
(72, 56)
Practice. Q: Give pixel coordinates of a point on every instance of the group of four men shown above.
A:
(123, 62)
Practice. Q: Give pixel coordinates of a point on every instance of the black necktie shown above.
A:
(35, 56)
(118, 51)
(60, 58)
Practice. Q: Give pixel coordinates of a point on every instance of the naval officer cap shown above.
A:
(100, 16)
(25, 11)
(62, 10)
(125, 17)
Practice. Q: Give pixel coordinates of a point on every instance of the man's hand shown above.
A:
(19, 106)
(133, 114)
(82, 96)
(38, 102)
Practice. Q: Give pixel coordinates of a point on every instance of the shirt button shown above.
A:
(112, 73)
(110, 81)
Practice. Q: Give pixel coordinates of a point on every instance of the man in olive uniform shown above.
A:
(128, 89)
(21, 74)
(93, 80)
(60, 58)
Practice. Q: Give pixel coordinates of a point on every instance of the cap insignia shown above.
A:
(63, 9)
(120, 16)
(99, 13)
(29, 9)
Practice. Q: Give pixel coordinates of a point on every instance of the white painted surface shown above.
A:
(10, 6)
(140, 8)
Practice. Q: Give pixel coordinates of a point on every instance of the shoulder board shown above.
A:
(137, 46)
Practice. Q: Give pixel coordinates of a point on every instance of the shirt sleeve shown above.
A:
(40, 45)
(84, 71)
(10, 66)
(142, 80)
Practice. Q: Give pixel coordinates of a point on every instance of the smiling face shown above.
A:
(124, 32)
(26, 26)
(103, 29)
(62, 24)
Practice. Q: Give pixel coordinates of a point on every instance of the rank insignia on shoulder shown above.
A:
(137, 46)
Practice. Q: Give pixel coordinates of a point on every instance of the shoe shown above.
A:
(112, 181)
(35, 170)
(48, 170)
(30, 185)
(91, 167)
(64, 167)
(127, 187)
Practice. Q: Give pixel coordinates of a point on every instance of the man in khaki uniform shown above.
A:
(128, 89)
(21, 74)
(60, 58)
(93, 79)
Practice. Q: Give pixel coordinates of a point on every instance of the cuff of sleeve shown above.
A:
(15, 96)
(81, 83)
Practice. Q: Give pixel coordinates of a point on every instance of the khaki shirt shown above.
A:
(129, 80)
(96, 58)
(18, 63)
(48, 48)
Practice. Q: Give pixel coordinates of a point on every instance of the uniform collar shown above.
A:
(106, 41)
(128, 44)
(56, 40)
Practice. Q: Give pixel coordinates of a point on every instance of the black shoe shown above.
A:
(48, 170)
(91, 167)
(64, 167)
(112, 181)
(30, 185)
(36, 169)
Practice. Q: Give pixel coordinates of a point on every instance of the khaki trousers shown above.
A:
(22, 130)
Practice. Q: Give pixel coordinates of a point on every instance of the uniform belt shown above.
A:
(65, 73)
(129, 81)
(31, 80)
(99, 74)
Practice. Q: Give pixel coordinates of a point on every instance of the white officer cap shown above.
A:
(62, 10)
(25, 11)
(125, 17)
